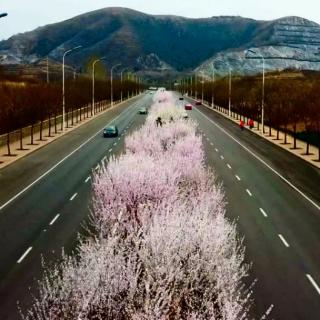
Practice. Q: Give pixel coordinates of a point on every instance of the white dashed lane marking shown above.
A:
(314, 284)
(54, 219)
(263, 213)
(73, 197)
(284, 241)
(24, 255)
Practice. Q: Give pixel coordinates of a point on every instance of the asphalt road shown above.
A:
(275, 198)
(45, 201)
(281, 224)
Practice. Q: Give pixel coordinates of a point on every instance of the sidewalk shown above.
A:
(17, 153)
(312, 158)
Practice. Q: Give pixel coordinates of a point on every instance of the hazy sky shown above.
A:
(25, 15)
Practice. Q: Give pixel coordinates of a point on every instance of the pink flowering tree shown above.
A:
(163, 247)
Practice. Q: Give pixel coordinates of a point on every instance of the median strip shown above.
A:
(24, 255)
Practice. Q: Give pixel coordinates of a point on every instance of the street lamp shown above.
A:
(63, 85)
(93, 83)
(111, 94)
(263, 83)
(212, 97)
(121, 77)
(202, 87)
(230, 88)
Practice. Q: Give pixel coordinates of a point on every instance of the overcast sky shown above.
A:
(26, 15)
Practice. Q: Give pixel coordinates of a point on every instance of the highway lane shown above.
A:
(49, 215)
(280, 226)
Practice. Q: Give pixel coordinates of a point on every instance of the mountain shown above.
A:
(157, 45)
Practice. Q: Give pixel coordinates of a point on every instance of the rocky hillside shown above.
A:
(287, 43)
(164, 44)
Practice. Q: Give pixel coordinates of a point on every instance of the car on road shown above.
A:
(181, 98)
(198, 103)
(185, 115)
(143, 111)
(188, 106)
(110, 132)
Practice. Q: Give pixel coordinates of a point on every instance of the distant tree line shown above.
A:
(292, 105)
(28, 103)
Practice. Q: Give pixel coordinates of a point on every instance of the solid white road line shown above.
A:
(97, 167)
(110, 150)
(263, 213)
(262, 161)
(249, 192)
(63, 160)
(217, 150)
(115, 144)
(87, 180)
(284, 240)
(222, 157)
(24, 255)
(228, 165)
(314, 284)
(238, 178)
(73, 197)
(211, 144)
(54, 219)
(104, 158)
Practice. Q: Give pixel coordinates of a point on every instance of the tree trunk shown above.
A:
(295, 136)
(21, 139)
(8, 144)
(308, 148)
(285, 135)
(49, 131)
(55, 123)
(41, 126)
(278, 133)
(32, 134)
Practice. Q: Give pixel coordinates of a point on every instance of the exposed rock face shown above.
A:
(287, 43)
(168, 44)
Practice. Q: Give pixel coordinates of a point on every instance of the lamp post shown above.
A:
(93, 84)
(263, 84)
(202, 88)
(63, 85)
(213, 78)
(121, 77)
(111, 94)
(230, 88)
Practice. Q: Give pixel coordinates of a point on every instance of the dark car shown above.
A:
(143, 111)
(188, 106)
(111, 131)
(198, 103)
(181, 98)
